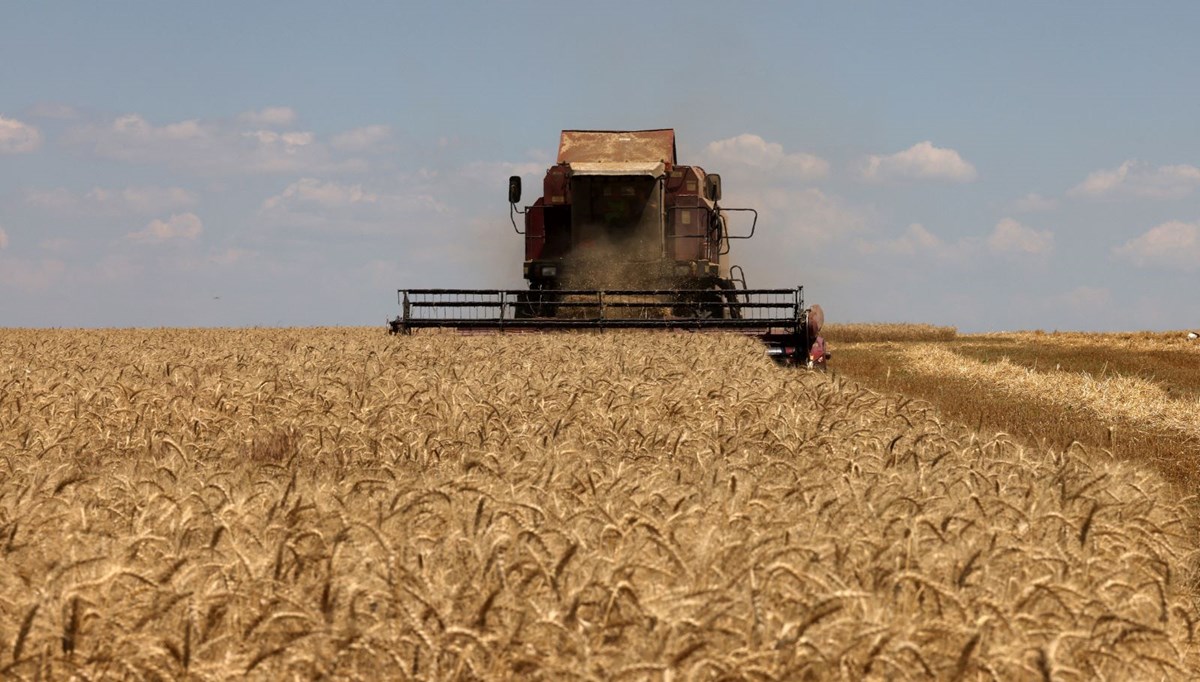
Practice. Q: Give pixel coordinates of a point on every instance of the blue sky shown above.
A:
(1009, 166)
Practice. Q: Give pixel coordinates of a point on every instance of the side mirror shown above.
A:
(514, 189)
(712, 186)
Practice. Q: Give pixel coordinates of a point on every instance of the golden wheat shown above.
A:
(332, 502)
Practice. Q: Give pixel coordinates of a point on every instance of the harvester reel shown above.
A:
(777, 317)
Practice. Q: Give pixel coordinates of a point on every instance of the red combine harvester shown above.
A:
(625, 237)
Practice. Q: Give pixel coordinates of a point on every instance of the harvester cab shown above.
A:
(617, 210)
(624, 236)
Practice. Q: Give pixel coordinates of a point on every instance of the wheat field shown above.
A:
(338, 503)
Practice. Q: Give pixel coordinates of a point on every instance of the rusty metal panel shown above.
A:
(591, 146)
(556, 189)
(535, 229)
(653, 169)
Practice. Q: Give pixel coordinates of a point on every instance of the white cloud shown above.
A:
(1009, 236)
(922, 161)
(288, 140)
(3, 239)
(218, 147)
(1013, 237)
(136, 129)
(802, 222)
(1034, 202)
(331, 206)
(270, 116)
(313, 191)
(919, 241)
(142, 199)
(753, 151)
(809, 216)
(17, 137)
(367, 138)
(1137, 179)
(1173, 244)
(798, 226)
(178, 226)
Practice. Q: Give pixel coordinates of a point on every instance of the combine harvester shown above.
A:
(624, 237)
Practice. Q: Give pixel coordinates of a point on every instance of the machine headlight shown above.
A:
(549, 271)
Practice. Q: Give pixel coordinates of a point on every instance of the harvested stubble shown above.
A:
(1135, 395)
(1173, 364)
(866, 332)
(642, 506)
(1116, 398)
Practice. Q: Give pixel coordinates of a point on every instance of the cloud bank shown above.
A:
(1010, 236)
(255, 143)
(1137, 179)
(1171, 245)
(17, 137)
(384, 206)
(314, 191)
(753, 151)
(364, 139)
(1034, 202)
(142, 199)
(184, 226)
(919, 241)
(922, 161)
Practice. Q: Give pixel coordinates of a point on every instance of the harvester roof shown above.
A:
(641, 147)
